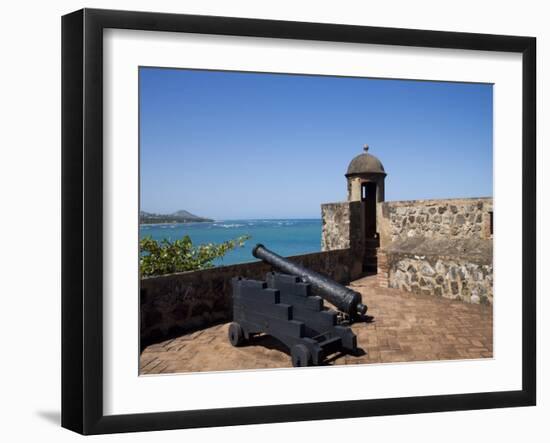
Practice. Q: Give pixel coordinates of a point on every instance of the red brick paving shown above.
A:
(406, 327)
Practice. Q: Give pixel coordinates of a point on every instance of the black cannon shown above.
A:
(345, 299)
(284, 307)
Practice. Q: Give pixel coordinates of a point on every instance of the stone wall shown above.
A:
(342, 226)
(438, 247)
(176, 303)
(457, 277)
(434, 219)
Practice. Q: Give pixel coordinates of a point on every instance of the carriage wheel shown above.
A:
(236, 334)
(300, 356)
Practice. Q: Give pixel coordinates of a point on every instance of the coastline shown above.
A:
(176, 223)
(248, 220)
(286, 236)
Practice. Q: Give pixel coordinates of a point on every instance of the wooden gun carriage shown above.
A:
(284, 307)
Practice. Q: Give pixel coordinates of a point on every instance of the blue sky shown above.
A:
(231, 145)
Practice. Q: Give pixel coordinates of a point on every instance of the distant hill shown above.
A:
(180, 216)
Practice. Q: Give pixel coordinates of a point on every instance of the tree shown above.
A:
(166, 257)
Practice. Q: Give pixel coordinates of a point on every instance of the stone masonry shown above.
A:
(342, 226)
(438, 247)
(435, 219)
(449, 277)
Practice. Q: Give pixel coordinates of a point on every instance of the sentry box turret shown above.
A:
(284, 307)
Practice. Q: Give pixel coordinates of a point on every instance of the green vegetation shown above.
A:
(166, 257)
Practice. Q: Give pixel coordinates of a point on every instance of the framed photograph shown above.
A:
(269, 221)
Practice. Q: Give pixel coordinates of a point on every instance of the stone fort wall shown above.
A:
(468, 218)
(455, 277)
(342, 226)
(176, 303)
(437, 247)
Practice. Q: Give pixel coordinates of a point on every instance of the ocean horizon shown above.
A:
(286, 237)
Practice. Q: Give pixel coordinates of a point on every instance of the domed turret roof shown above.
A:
(365, 163)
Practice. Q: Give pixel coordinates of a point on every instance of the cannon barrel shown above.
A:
(345, 299)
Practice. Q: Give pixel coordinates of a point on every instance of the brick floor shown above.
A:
(406, 327)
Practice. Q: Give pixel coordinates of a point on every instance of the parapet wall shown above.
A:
(438, 247)
(175, 303)
(342, 226)
(465, 278)
(435, 219)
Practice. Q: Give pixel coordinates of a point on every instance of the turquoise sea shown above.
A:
(285, 237)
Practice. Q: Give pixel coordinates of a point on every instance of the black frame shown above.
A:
(82, 154)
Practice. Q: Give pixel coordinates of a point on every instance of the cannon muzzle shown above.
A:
(343, 298)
